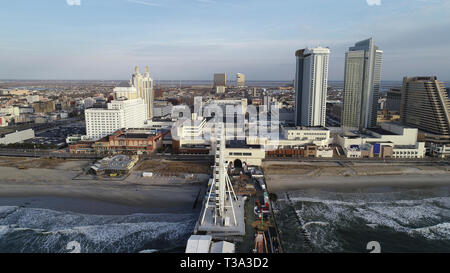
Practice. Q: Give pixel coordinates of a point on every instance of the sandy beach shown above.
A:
(289, 176)
(47, 203)
(59, 179)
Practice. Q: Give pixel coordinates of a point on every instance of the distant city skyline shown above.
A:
(193, 39)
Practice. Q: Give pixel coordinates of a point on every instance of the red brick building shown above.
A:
(129, 142)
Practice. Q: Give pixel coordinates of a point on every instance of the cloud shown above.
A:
(146, 3)
(207, 1)
(73, 2)
(374, 2)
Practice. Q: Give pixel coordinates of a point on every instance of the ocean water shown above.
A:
(43, 230)
(400, 220)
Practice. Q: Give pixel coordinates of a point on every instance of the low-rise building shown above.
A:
(325, 152)
(298, 151)
(19, 92)
(389, 141)
(16, 137)
(44, 107)
(81, 147)
(158, 124)
(220, 89)
(297, 142)
(26, 110)
(317, 135)
(3, 122)
(75, 139)
(115, 165)
(239, 152)
(129, 142)
(409, 151)
(13, 111)
(40, 119)
(32, 98)
(162, 109)
(440, 150)
(134, 141)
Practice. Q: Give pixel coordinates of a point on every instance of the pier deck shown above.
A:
(223, 232)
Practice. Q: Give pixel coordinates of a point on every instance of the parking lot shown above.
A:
(57, 135)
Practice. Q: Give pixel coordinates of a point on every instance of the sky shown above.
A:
(192, 39)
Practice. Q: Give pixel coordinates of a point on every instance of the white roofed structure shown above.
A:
(223, 247)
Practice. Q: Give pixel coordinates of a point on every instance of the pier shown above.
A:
(244, 217)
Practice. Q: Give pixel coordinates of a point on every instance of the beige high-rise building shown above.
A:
(125, 92)
(144, 87)
(425, 105)
(240, 80)
(220, 89)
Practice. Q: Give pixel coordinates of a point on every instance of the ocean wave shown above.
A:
(347, 220)
(437, 232)
(43, 230)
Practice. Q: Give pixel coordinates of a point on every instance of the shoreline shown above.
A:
(285, 183)
(58, 181)
(300, 176)
(29, 177)
(156, 197)
(84, 206)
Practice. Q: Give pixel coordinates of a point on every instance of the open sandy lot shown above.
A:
(165, 167)
(44, 177)
(44, 163)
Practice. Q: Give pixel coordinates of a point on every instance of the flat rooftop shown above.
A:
(134, 135)
(306, 128)
(241, 144)
(381, 131)
(405, 147)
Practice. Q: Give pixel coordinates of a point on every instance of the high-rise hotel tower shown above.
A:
(144, 87)
(425, 105)
(240, 80)
(311, 84)
(362, 85)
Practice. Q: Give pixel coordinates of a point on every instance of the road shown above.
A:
(57, 154)
(205, 158)
(344, 160)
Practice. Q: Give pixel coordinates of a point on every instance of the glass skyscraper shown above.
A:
(362, 85)
(311, 84)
